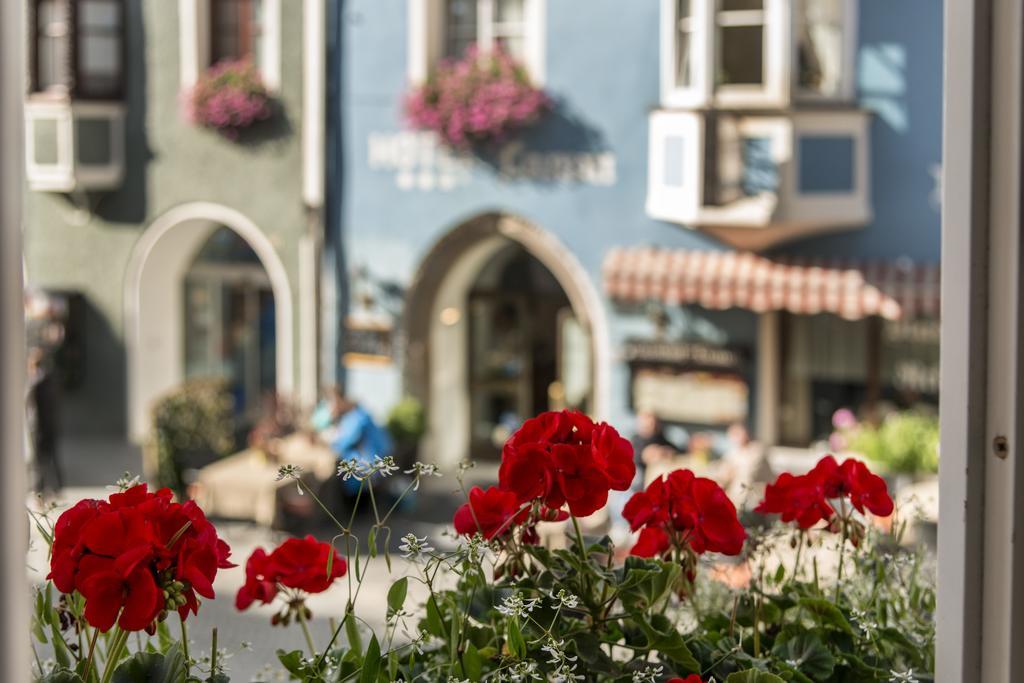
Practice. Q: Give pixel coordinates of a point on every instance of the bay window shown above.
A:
(741, 43)
(442, 29)
(78, 48)
(756, 53)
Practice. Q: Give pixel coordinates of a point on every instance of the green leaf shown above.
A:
(396, 594)
(753, 676)
(292, 662)
(60, 648)
(371, 541)
(515, 639)
(827, 613)
(146, 667)
(472, 663)
(808, 654)
(355, 643)
(371, 662)
(663, 638)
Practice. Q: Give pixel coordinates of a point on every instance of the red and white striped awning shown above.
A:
(728, 279)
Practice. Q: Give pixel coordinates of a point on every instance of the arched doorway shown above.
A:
(173, 262)
(502, 321)
(229, 321)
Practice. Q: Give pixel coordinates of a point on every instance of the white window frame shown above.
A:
(777, 22)
(698, 92)
(426, 36)
(194, 42)
(851, 15)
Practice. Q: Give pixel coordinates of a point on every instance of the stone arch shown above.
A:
(154, 334)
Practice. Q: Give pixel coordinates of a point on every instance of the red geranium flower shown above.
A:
(298, 563)
(135, 557)
(693, 510)
(692, 678)
(491, 512)
(563, 458)
(805, 499)
(488, 512)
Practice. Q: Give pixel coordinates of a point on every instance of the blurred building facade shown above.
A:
(730, 215)
(159, 249)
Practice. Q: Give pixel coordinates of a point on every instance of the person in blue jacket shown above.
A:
(352, 434)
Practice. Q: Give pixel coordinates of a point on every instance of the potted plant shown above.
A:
(229, 98)
(479, 98)
(407, 422)
(823, 596)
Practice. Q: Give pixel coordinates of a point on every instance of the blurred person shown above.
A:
(744, 463)
(355, 436)
(650, 445)
(42, 404)
(701, 448)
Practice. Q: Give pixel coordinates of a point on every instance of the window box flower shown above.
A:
(476, 99)
(229, 98)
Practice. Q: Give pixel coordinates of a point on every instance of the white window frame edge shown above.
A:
(425, 39)
(682, 204)
(980, 613)
(701, 58)
(14, 665)
(194, 42)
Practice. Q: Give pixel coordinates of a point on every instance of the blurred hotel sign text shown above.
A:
(688, 382)
(367, 342)
(419, 162)
(688, 354)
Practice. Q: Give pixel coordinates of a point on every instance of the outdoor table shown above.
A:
(245, 486)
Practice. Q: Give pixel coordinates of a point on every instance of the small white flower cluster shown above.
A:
(422, 470)
(126, 482)
(650, 674)
(288, 472)
(902, 677)
(520, 672)
(413, 547)
(868, 627)
(360, 471)
(565, 599)
(565, 665)
(515, 606)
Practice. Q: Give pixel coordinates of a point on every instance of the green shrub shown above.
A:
(407, 421)
(905, 442)
(192, 426)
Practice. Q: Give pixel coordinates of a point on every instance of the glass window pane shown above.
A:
(742, 55)
(460, 28)
(236, 28)
(509, 11)
(52, 45)
(684, 44)
(104, 15)
(820, 46)
(514, 46)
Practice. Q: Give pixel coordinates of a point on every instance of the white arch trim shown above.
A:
(140, 392)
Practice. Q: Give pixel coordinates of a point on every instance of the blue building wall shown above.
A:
(602, 66)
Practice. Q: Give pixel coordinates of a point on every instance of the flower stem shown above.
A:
(114, 654)
(92, 654)
(184, 644)
(305, 631)
(579, 538)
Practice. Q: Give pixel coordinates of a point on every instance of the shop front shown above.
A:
(830, 335)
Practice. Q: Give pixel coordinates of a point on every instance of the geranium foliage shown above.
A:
(824, 594)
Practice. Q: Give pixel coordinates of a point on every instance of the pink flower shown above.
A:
(476, 98)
